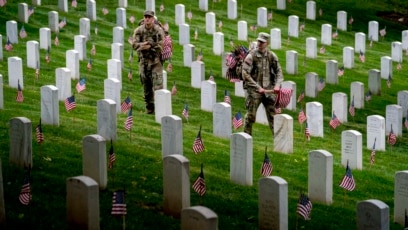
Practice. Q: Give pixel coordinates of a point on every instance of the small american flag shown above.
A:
(81, 85)
(8, 46)
(105, 11)
(112, 156)
(130, 74)
(237, 121)
(231, 42)
(25, 192)
(227, 98)
(93, 49)
(278, 110)
(126, 104)
(368, 96)
(200, 56)
(383, 32)
(63, 23)
(166, 26)
(169, 67)
(196, 34)
(348, 182)
(266, 168)
(406, 120)
(96, 30)
(19, 97)
(362, 56)
(89, 65)
(301, 96)
(118, 203)
(351, 20)
(253, 27)
(304, 206)
(399, 66)
(211, 78)
(185, 112)
(174, 89)
(321, 84)
(334, 122)
(74, 3)
(47, 56)
(37, 71)
(56, 40)
(220, 24)
(392, 138)
(389, 80)
(39, 133)
(302, 27)
(30, 11)
(320, 12)
(198, 145)
(70, 103)
(335, 34)
(161, 7)
(129, 120)
(189, 15)
(130, 39)
(340, 71)
(131, 57)
(307, 132)
(199, 184)
(270, 15)
(23, 33)
(372, 156)
(132, 19)
(302, 117)
(322, 50)
(3, 2)
(352, 108)
(371, 41)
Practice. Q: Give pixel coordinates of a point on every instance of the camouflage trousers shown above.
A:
(151, 77)
(252, 102)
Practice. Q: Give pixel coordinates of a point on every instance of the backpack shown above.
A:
(167, 49)
(234, 61)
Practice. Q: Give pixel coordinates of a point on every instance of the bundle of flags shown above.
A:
(112, 156)
(199, 184)
(39, 133)
(25, 192)
(283, 98)
(129, 120)
(70, 103)
(118, 203)
(334, 122)
(81, 85)
(348, 182)
(304, 206)
(126, 104)
(266, 168)
(185, 111)
(198, 145)
(237, 121)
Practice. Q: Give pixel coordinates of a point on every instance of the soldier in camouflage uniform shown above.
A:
(262, 75)
(148, 42)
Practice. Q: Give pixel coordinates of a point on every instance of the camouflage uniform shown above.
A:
(260, 70)
(150, 66)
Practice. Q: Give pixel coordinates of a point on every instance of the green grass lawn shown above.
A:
(139, 166)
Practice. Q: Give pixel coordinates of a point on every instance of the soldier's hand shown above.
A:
(261, 90)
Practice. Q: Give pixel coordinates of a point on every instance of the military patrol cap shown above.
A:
(263, 37)
(149, 13)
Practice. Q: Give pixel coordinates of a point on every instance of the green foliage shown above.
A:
(139, 162)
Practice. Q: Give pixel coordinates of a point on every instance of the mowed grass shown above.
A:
(139, 165)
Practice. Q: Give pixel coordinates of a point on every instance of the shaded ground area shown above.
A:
(394, 17)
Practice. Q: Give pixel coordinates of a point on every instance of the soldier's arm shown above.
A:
(247, 66)
(137, 39)
(278, 71)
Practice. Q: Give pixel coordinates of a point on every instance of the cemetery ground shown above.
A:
(139, 165)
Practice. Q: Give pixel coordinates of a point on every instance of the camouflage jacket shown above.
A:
(261, 70)
(154, 37)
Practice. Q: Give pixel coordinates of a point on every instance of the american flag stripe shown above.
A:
(199, 184)
(348, 182)
(118, 203)
(39, 134)
(237, 121)
(304, 207)
(302, 117)
(70, 103)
